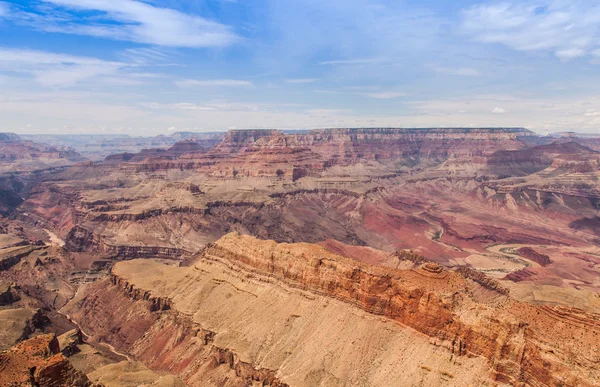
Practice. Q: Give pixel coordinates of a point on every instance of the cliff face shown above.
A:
(501, 339)
(294, 155)
(146, 327)
(350, 145)
(266, 305)
(80, 239)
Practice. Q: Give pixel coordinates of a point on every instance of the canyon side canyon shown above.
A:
(326, 257)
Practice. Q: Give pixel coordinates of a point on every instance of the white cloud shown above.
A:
(498, 110)
(130, 20)
(300, 80)
(214, 82)
(570, 53)
(568, 29)
(56, 70)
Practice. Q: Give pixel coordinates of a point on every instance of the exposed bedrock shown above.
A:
(80, 239)
(146, 327)
(160, 310)
(531, 254)
(39, 362)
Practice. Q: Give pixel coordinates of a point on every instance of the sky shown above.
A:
(148, 67)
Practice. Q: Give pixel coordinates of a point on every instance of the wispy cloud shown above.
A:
(128, 20)
(56, 70)
(568, 29)
(498, 110)
(213, 82)
(301, 80)
(145, 56)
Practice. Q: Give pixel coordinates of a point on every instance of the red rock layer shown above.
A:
(163, 339)
(38, 362)
(524, 343)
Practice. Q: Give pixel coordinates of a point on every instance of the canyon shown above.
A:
(325, 257)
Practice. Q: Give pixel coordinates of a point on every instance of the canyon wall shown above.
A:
(271, 305)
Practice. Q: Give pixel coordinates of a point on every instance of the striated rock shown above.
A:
(81, 239)
(483, 280)
(241, 276)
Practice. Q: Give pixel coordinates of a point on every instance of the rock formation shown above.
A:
(38, 362)
(194, 310)
(437, 256)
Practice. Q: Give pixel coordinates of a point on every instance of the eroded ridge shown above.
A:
(521, 341)
(256, 309)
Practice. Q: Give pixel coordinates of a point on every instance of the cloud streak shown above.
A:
(128, 20)
(56, 70)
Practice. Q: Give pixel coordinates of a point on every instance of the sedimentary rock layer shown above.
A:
(313, 318)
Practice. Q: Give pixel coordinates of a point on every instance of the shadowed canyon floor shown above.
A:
(430, 257)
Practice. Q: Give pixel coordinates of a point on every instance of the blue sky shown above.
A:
(151, 67)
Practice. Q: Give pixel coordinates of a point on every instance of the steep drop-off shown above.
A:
(308, 317)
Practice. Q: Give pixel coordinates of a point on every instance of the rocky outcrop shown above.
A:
(11, 256)
(81, 239)
(38, 362)
(483, 280)
(125, 217)
(69, 342)
(136, 294)
(8, 295)
(531, 254)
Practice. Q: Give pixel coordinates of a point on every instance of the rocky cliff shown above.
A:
(294, 155)
(276, 289)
